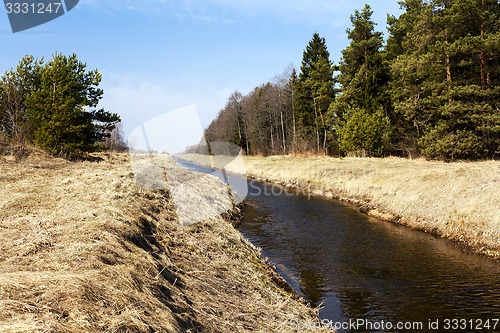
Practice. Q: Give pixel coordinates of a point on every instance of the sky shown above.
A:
(157, 56)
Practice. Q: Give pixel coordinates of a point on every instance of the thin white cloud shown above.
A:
(311, 12)
(138, 98)
(145, 6)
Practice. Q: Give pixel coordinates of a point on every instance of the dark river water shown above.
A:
(360, 269)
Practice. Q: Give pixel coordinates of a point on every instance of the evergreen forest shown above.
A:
(53, 106)
(431, 89)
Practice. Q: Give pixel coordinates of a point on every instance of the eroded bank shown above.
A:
(458, 201)
(84, 249)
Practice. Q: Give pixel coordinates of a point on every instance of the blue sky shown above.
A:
(161, 55)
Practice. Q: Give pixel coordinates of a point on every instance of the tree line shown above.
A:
(53, 106)
(431, 89)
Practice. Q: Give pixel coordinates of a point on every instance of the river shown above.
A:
(359, 268)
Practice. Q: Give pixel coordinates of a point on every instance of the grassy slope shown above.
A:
(460, 201)
(83, 249)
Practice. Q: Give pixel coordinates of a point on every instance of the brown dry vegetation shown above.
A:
(459, 201)
(83, 249)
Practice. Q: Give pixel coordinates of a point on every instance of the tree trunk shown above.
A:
(448, 66)
(317, 125)
(293, 121)
(272, 131)
(283, 132)
(323, 124)
(246, 140)
(482, 60)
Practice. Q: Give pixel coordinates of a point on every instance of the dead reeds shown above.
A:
(459, 201)
(84, 249)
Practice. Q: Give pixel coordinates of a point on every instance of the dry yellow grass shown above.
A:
(459, 201)
(83, 249)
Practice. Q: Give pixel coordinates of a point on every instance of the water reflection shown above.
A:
(362, 268)
(311, 284)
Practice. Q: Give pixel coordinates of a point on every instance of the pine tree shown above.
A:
(15, 85)
(409, 36)
(468, 121)
(444, 84)
(360, 113)
(314, 93)
(62, 108)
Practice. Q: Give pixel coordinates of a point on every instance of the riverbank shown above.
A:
(84, 249)
(458, 201)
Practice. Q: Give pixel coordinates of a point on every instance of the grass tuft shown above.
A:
(458, 201)
(84, 249)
